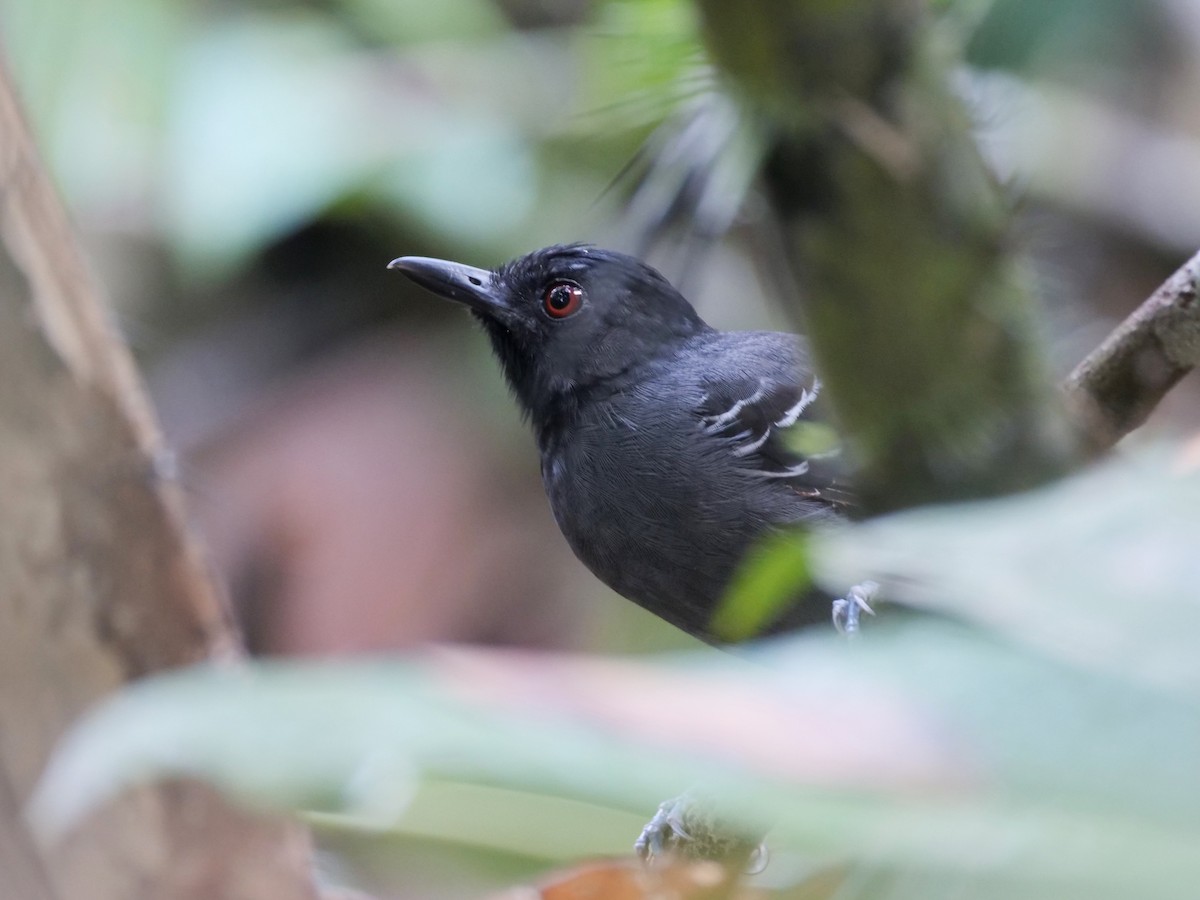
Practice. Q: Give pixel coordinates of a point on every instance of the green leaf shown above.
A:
(415, 21)
(770, 578)
(812, 439)
(471, 179)
(266, 133)
(1066, 34)
(277, 119)
(1100, 570)
(642, 57)
(924, 750)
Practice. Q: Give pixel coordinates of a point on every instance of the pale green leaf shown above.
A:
(1102, 569)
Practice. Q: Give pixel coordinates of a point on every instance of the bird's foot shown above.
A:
(847, 610)
(685, 827)
(665, 830)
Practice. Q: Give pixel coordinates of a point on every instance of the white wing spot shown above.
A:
(719, 423)
(806, 399)
(750, 448)
(791, 472)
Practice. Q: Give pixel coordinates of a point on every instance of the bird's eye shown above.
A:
(562, 299)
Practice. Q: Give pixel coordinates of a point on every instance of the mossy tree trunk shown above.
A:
(899, 239)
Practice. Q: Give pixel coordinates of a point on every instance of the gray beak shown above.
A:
(473, 287)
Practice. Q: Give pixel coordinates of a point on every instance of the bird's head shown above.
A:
(565, 318)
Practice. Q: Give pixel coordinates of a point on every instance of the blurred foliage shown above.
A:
(768, 580)
(219, 129)
(1095, 35)
(643, 59)
(125, 79)
(224, 129)
(1035, 567)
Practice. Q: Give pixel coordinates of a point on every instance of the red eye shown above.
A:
(562, 299)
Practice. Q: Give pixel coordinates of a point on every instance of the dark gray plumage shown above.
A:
(662, 440)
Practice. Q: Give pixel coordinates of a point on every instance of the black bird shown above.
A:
(664, 442)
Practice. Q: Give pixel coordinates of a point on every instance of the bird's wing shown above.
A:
(771, 423)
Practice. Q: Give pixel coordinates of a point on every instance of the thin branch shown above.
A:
(1118, 385)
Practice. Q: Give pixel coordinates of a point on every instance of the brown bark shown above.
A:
(100, 581)
(1118, 385)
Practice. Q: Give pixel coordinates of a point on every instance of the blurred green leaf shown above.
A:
(642, 57)
(924, 750)
(771, 577)
(96, 81)
(407, 22)
(811, 439)
(482, 816)
(1030, 34)
(471, 179)
(1100, 569)
(263, 136)
(277, 119)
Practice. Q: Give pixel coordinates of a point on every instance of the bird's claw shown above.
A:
(848, 609)
(758, 859)
(664, 830)
(701, 838)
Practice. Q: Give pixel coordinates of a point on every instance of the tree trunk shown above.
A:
(100, 579)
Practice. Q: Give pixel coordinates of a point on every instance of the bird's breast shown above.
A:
(642, 505)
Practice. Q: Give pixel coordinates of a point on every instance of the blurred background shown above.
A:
(241, 173)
